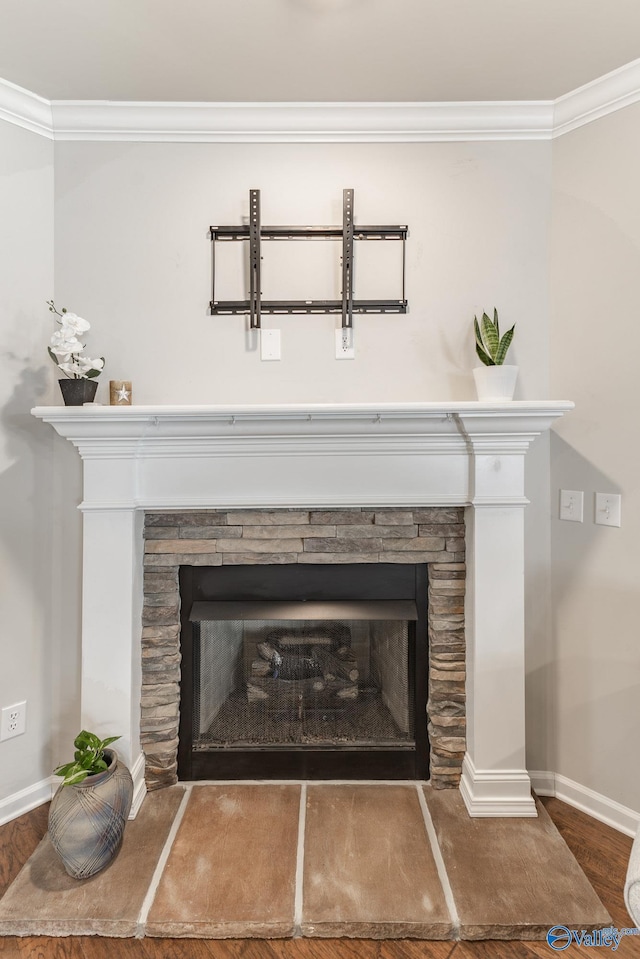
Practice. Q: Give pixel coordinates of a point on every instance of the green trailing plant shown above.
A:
(88, 758)
(490, 346)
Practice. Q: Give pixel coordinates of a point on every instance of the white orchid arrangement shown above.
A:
(66, 350)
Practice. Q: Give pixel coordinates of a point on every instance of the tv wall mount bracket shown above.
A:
(348, 233)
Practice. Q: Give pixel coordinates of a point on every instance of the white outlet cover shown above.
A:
(345, 349)
(13, 720)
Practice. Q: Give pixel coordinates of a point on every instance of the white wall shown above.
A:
(595, 344)
(26, 456)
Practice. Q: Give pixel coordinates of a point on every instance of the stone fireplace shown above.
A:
(429, 536)
(402, 458)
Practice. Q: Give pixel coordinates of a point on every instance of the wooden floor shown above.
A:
(601, 851)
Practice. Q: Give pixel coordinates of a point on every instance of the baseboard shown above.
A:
(543, 782)
(587, 800)
(27, 799)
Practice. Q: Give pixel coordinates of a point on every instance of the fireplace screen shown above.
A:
(283, 682)
(303, 671)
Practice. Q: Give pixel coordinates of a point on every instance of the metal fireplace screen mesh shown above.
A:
(296, 682)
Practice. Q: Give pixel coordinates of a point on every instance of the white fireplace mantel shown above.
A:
(390, 454)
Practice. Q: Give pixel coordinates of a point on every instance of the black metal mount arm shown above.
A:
(348, 233)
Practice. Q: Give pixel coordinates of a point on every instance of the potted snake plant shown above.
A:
(495, 381)
(90, 808)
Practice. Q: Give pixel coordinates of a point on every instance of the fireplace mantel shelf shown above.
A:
(128, 418)
(341, 429)
(301, 457)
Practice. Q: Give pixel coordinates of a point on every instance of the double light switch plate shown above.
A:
(607, 507)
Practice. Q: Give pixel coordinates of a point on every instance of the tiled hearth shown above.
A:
(384, 861)
(434, 536)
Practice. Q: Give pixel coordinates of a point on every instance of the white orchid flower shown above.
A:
(86, 364)
(75, 323)
(63, 336)
(63, 356)
(65, 348)
(67, 368)
(63, 341)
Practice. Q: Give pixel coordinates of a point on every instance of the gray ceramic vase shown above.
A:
(86, 821)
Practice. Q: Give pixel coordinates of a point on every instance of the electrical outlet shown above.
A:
(345, 350)
(13, 720)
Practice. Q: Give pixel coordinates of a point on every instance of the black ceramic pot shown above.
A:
(77, 392)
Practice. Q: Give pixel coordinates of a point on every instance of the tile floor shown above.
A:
(271, 860)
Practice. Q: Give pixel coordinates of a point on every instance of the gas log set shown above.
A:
(310, 668)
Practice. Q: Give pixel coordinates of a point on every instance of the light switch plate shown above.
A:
(269, 344)
(572, 505)
(608, 509)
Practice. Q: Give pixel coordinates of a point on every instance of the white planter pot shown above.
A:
(495, 384)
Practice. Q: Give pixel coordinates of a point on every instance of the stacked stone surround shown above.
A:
(431, 535)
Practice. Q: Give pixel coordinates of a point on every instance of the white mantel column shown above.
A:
(495, 781)
(112, 596)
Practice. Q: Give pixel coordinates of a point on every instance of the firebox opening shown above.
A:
(313, 680)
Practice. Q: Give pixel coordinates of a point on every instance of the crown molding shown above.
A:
(26, 109)
(597, 99)
(301, 122)
(104, 120)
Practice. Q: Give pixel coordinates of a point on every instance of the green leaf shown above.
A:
(109, 740)
(489, 336)
(72, 773)
(495, 321)
(86, 740)
(76, 778)
(480, 346)
(478, 333)
(484, 357)
(63, 770)
(504, 345)
(93, 373)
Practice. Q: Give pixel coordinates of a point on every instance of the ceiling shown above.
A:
(313, 50)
